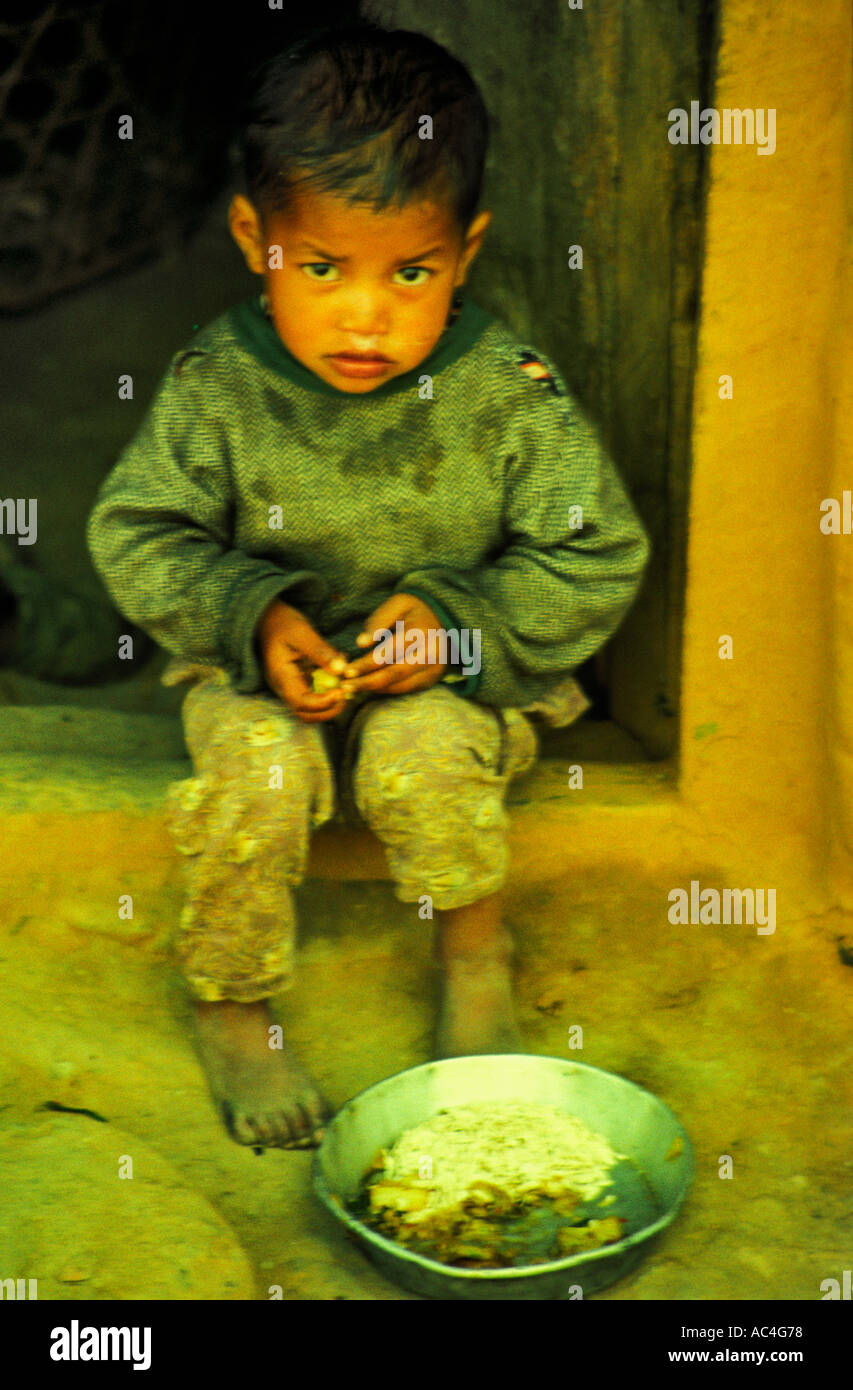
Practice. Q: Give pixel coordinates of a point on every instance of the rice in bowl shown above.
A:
(465, 1184)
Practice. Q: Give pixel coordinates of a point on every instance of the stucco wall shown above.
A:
(772, 318)
(840, 726)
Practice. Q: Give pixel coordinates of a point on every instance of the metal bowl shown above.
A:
(634, 1121)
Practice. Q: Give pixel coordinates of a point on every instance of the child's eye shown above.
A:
(324, 266)
(319, 265)
(418, 269)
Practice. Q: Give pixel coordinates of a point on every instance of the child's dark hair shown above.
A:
(348, 102)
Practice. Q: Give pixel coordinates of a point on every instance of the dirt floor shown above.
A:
(746, 1043)
(745, 1037)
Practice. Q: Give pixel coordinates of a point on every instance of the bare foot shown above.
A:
(476, 1012)
(264, 1095)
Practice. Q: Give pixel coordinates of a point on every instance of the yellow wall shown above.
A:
(759, 568)
(841, 727)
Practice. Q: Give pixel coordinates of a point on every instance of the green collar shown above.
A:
(257, 333)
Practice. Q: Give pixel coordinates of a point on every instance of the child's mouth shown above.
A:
(356, 365)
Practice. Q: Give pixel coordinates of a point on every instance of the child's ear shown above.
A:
(473, 241)
(245, 225)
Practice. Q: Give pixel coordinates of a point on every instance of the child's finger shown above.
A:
(316, 707)
(292, 687)
(323, 699)
(319, 653)
(318, 717)
(309, 644)
(367, 665)
(361, 666)
(387, 676)
(423, 677)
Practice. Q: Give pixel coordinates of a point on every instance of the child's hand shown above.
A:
(404, 676)
(286, 639)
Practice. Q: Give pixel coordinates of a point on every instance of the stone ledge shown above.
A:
(135, 735)
(130, 735)
(70, 784)
(96, 826)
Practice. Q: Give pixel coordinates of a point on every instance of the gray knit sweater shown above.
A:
(473, 481)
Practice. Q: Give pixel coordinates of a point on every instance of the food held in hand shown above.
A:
(323, 681)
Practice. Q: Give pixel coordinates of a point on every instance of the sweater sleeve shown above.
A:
(160, 536)
(574, 556)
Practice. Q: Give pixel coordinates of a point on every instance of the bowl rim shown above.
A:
(365, 1233)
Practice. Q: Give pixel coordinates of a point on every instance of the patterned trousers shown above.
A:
(426, 771)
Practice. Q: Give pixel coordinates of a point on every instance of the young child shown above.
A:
(355, 452)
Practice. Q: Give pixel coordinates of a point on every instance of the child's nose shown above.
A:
(366, 321)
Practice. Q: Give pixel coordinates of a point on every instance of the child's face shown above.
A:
(356, 281)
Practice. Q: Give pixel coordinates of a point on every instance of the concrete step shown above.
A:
(132, 734)
(83, 800)
(83, 795)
